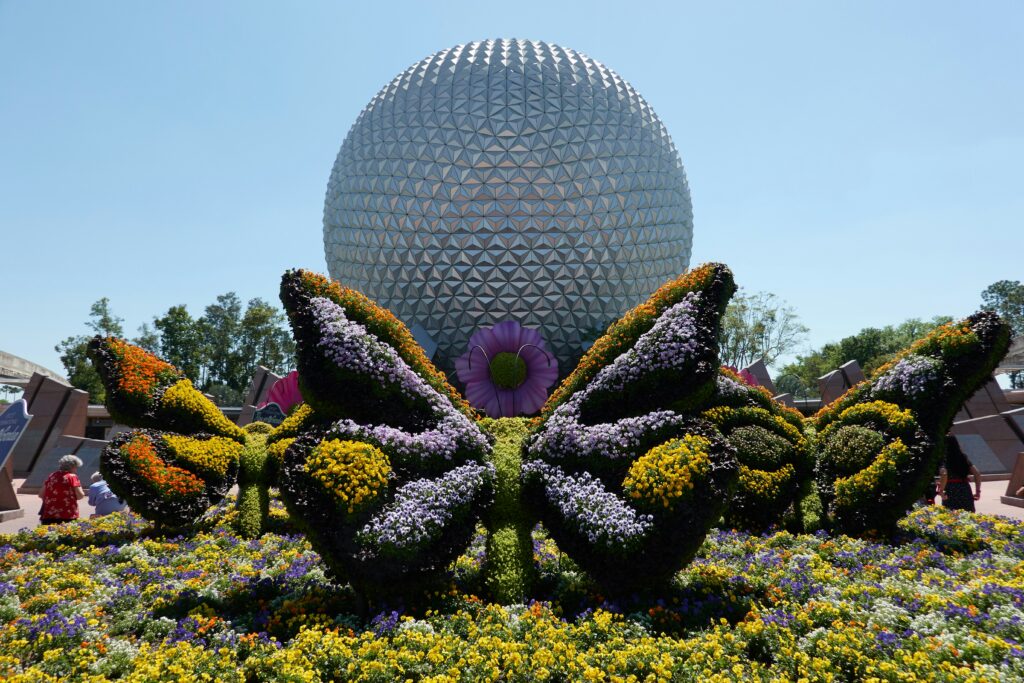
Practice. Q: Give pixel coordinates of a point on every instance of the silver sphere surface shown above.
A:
(508, 179)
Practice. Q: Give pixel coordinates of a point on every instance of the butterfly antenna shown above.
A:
(546, 355)
(487, 360)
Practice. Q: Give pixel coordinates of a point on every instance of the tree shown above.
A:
(871, 348)
(237, 344)
(81, 374)
(219, 327)
(9, 391)
(103, 321)
(263, 339)
(219, 351)
(148, 339)
(1006, 297)
(180, 341)
(758, 327)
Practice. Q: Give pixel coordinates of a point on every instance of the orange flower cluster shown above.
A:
(622, 334)
(949, 340)
(138, 371)
(385, 326)
(141, 456)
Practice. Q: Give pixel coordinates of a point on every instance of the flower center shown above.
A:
(508, 370)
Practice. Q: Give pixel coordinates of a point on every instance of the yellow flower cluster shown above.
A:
(889, 413)
(182, 406)
(294, 424)
(207, 457)
(718, 415)
(766, 485)
(184, 663)
(352, 471)
(851, 491)
(276, 450)
(669, 472)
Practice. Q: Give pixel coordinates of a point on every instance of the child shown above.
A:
(102, 498)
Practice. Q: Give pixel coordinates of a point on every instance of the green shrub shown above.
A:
(774, 460)
(253, 487)
(763, 449)
(509, 568)
(852, 448)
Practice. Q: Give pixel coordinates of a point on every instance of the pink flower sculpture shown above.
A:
(285, 392)
(507, 371)
(745, 375)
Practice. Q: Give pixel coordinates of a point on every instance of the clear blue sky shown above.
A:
(863, 161)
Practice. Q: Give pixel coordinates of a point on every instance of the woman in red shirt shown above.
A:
(61, 493)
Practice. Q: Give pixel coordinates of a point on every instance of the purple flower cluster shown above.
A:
(565, 436)
(348, 344)
(585, 505)
(729, 390)
(423, 508)
(672, 343)
(385, 623)
(452, 438)
(54, 624)
(912, 377)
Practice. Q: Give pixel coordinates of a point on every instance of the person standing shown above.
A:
(61, 493)
(953, 485)
(102, 498)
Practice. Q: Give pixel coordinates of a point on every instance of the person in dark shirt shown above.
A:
(953, 485)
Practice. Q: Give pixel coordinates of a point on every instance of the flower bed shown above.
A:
(107, 599)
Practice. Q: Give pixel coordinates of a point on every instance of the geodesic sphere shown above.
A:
(508, 179)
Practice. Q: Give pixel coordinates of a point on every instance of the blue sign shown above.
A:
(270, 413)
(12, 423)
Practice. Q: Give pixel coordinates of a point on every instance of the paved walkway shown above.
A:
(989, 504)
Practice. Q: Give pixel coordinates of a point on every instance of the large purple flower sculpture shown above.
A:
(507, 371)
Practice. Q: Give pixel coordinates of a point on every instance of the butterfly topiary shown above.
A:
(186, 454)
(623, 470)
(389, 490)
(880, 443)
(638, 453)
